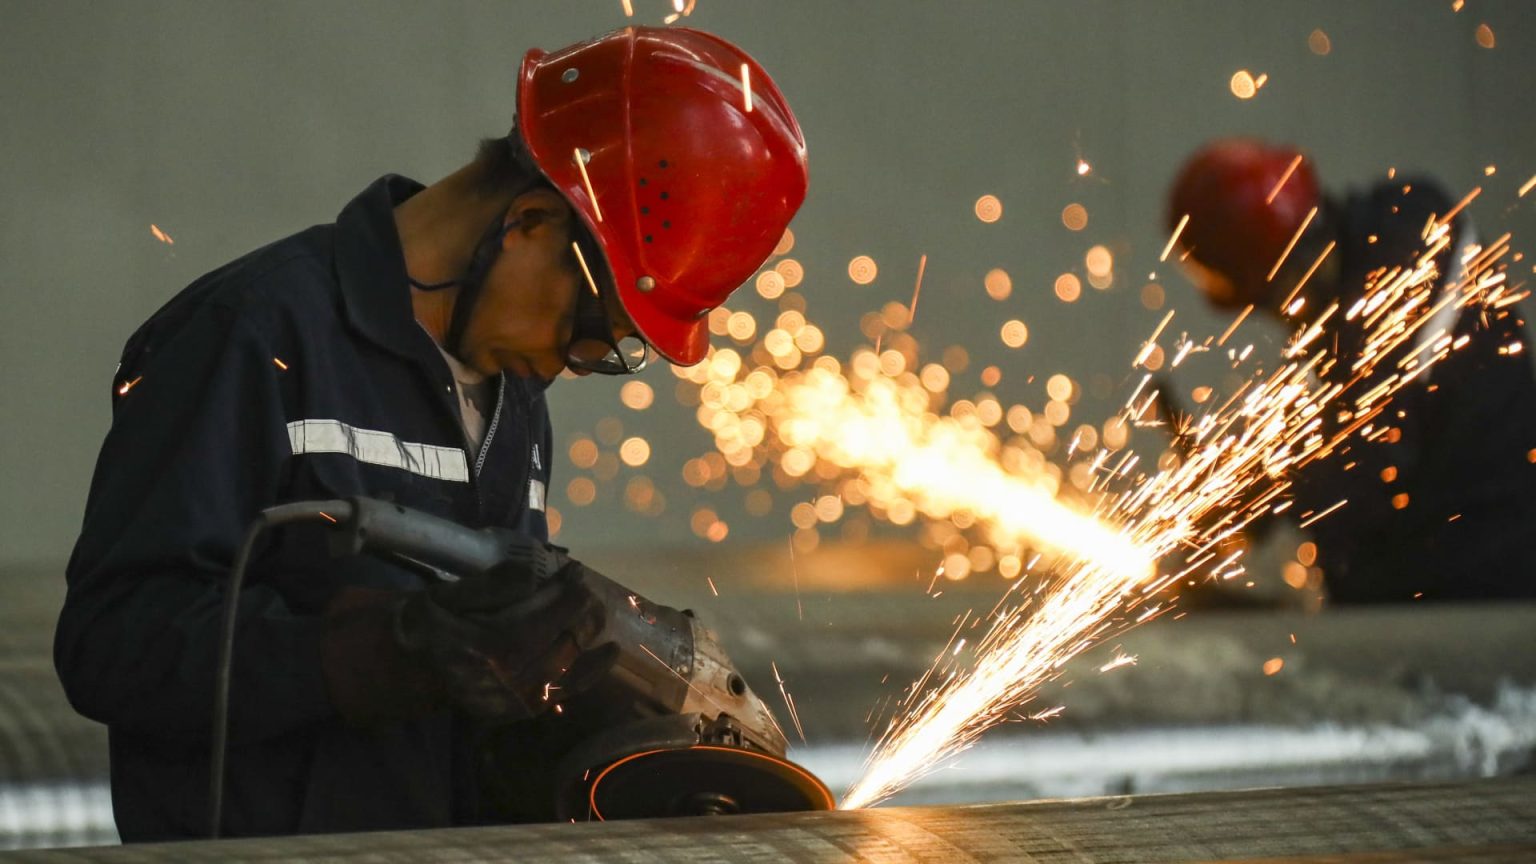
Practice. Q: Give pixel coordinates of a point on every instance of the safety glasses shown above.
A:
(593, 347)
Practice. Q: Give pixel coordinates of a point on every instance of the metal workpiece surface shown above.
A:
(1495, 819)
(1365, 695)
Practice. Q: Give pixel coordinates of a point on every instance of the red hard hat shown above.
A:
(694, 184)
(1235, 228)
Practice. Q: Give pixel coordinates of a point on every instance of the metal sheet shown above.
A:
(1492, 817)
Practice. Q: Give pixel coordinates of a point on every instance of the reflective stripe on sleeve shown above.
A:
(378, 448)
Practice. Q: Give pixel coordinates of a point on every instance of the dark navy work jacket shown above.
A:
(1441, 505)
(296, 372)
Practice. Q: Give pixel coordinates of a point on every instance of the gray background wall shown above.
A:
(232, 124)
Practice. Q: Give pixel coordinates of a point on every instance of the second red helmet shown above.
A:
(693, 163)
(1241, 216)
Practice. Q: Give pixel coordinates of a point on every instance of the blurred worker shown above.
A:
(402, 353)
(1442, 504)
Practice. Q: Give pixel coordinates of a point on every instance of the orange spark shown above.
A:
(1235, 466)
(922, 264)
(794, 571)
(1327, 250)
(1446, 219)
(280, 364)
(1177, 230)
(1241, 316)
(1151, 343)
(581, 157)
(789, 701)
(161, 235)
(746, 86)
(1308, 522)
(582, 260)
(1291, 245)
(1273, 665)
(128, 385)
(1291, 169)
(1527, 187)
(871, 418)
(1120, 660)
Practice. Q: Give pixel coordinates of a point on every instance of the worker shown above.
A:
(403, 353)
(1438, 504)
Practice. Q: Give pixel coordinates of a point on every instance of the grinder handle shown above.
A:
(381, 526)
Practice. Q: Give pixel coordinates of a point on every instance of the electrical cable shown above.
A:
(333, 511)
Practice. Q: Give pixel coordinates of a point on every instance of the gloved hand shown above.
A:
(503, 645)
(505, 641)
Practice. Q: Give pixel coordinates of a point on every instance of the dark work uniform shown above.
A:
(296, 372)
(1459, 451)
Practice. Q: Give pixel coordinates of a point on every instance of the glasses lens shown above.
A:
(628, 356)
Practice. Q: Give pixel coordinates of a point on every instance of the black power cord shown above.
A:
(333, 511)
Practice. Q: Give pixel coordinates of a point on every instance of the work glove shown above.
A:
(506, 641)
(503, 645)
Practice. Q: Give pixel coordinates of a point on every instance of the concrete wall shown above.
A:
(231, 124)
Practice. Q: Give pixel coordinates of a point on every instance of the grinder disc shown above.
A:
(704, 780)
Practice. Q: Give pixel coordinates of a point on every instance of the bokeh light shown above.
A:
(741, 327)
(786, 243)
(1242, 84)
(792, 271)
(636, 395)
(1068, 288)
(1015, 333)
(581, 491)
(862, 270)
(770, 284)
(998, 284)
(1059, 387)
(1075, 217)
(583, 452)
(635, 451)
(1099, 260)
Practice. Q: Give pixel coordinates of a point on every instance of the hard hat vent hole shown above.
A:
(666, 223)
(663, 196)
(662, 163)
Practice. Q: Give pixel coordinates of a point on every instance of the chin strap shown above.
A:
(469, 285)
(484, 255)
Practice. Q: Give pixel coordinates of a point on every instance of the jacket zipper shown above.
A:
(490, 431)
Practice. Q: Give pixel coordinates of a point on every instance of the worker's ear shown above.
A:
(535, 212)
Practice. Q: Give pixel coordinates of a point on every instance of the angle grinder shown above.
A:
(670, 729)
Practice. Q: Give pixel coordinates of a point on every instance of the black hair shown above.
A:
(504, 166)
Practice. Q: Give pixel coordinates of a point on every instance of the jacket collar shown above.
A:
(370, 267)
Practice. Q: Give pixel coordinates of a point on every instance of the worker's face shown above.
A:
(523, 321)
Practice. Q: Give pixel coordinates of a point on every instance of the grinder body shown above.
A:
(669, 728)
